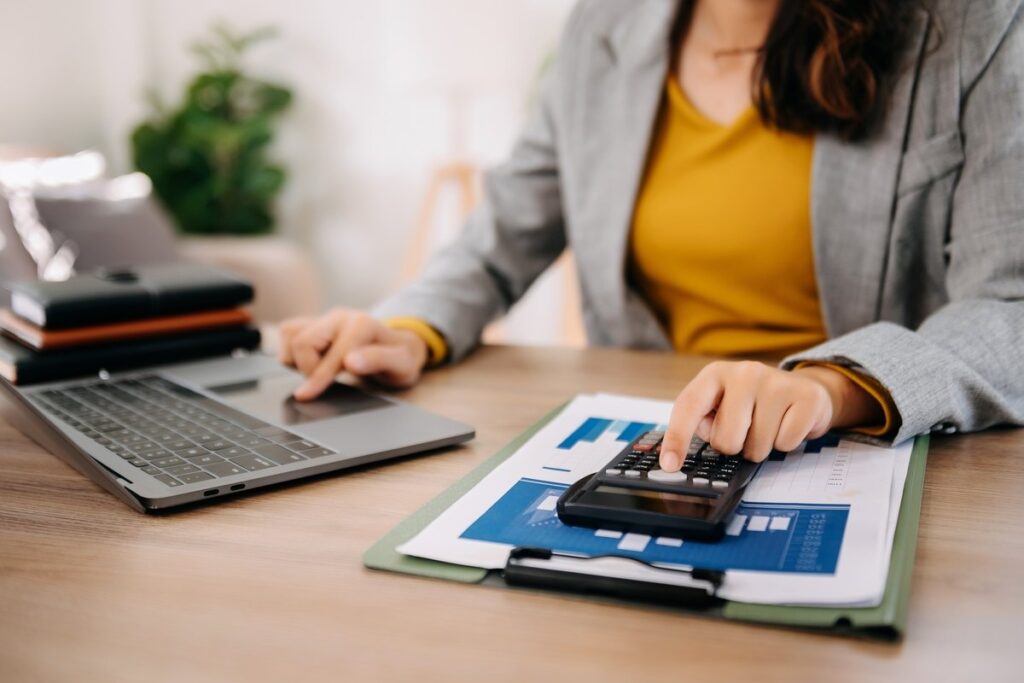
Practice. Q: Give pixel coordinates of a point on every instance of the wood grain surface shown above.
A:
(270, 587)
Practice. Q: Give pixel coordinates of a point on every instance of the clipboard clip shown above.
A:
(616, 576)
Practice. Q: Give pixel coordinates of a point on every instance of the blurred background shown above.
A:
(366, 125)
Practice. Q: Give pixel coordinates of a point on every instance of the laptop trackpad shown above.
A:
(270, 398)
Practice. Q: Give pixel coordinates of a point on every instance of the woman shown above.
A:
(839, 180)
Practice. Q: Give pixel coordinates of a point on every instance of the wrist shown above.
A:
(437, 346)
(852, 406)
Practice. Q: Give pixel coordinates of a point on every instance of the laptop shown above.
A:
(168, 436)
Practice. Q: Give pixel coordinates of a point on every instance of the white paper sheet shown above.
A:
(814, 529)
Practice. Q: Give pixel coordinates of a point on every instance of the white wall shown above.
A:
(47, 93)
(361, 139)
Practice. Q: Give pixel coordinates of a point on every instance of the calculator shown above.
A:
(632, 493)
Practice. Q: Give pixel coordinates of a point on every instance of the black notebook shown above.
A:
(109, 296)
(21, 365)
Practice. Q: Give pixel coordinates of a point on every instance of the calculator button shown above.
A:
(613, 471)
(700, 481)
(631, 473)
(720, 484)
(662, 475)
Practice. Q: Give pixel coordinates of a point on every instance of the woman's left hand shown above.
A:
(750, 407)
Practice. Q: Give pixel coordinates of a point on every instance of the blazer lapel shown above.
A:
(852, 202)
(619, 131)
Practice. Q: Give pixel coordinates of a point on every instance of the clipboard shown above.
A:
(887, 621)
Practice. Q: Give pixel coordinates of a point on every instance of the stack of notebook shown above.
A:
(116, 320)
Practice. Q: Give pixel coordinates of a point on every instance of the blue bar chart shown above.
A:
(593, 428)
(761, 537)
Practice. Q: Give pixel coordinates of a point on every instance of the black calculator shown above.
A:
(632, 493)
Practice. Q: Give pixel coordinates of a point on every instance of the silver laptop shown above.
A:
(171, 435)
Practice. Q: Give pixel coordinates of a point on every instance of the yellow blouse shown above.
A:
(721, 241)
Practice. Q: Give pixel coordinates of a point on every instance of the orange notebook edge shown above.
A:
(40, 339)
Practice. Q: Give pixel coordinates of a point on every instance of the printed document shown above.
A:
(815, 527)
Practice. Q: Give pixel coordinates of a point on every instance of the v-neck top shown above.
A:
(721, 236)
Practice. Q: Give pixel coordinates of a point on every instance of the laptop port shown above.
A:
(211, 492)
(237, 487)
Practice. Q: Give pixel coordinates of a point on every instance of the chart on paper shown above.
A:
(813, 527)
(822, 466)
(594, 436)
(601, 429)
(761, 537)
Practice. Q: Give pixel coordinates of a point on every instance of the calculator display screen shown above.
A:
(662, 502)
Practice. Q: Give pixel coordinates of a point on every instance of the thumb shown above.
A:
(392, 364)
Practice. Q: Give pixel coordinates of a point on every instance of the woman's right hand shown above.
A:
(348, 340)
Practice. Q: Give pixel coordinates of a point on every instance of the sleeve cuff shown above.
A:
(872, 387)
(436, 343)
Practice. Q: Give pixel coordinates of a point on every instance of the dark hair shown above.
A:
(826, 64)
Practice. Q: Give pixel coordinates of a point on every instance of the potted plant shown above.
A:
(208, 161)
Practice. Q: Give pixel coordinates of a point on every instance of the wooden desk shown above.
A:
(270, 587)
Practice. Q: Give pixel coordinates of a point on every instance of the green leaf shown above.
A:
(206, 155)
(275, 98)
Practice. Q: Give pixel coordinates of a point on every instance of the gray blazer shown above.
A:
(918, 231)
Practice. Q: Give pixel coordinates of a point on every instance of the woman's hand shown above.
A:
(751, 408)
(344, 339)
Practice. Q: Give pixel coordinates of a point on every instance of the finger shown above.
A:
(695, 401)
(358, 332)
(312, 342)
(390, 364)
(821, 424)
(704, 428)
(288, 330)
(732, 421)
(764, 426)
(799, 423)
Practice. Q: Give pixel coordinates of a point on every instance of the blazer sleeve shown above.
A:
(510, 239)
(963, 368)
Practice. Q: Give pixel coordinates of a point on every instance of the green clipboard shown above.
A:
(887, 621)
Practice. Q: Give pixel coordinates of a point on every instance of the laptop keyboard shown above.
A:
(173, 433)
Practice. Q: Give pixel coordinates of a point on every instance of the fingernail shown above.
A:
(355, 362)
(670, 461)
